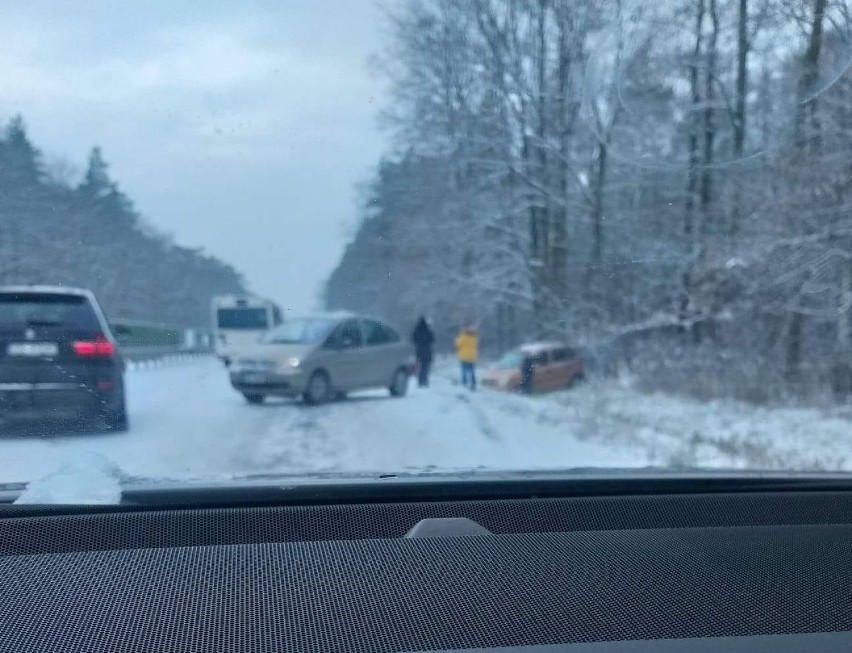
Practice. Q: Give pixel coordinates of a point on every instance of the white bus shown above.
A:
(240, 320)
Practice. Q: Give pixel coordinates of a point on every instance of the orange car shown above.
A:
(535, 367)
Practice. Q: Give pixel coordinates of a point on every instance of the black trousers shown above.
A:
(423, 368)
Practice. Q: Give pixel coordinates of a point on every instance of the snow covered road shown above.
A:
(186, 421)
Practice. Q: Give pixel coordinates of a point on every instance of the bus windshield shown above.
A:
(242, 318)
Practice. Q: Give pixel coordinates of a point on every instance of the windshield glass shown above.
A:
(657, 195)
(19, 311)
(300, 332)
(510, 361)
(242, 318)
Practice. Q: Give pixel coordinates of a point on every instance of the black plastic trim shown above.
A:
(391, 488)
(470, 487)
(822, 642)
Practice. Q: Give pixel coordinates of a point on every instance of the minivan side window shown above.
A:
(541, 358)
(346, 336)
(379, 334)
(564, 354)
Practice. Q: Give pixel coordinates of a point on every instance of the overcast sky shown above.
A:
(241, 127)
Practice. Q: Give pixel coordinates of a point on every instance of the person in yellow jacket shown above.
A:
(467, 348)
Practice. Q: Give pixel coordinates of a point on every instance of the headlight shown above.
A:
(289, 365)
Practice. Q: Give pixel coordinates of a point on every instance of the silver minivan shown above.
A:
(323, 357)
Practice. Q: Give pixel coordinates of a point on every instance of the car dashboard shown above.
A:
(535, 567)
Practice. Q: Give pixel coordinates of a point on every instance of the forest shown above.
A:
(667, 184)
(88, 234)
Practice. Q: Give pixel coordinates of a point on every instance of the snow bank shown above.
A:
(86, 479)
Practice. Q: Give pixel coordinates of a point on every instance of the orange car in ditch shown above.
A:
(535, 367)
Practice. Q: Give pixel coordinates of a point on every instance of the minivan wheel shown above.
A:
(254, 398)
(399, 384)
(319, 389)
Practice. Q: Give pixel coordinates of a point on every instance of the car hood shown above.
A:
(272, 352)
(502, 377)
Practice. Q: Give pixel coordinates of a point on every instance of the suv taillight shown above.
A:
(100, 347)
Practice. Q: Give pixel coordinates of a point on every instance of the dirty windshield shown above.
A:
(299, 332)
(511, 361)
(379, 238)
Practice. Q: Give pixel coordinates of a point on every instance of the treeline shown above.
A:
(89, 234)
(669, 183)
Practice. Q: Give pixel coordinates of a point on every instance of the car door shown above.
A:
(384, 351)
(565, 367)
(559, 369)
(573, 364)
(344, 355)
(543, 371)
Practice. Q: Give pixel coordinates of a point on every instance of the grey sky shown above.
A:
(242, 127)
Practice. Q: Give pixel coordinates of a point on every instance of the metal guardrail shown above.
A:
(145, 353)
(145, 357)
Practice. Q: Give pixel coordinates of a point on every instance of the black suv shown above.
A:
(58, 359)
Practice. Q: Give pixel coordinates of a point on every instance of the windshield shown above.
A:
(510, 361)
(325, 231)
(299, 332)
(242, 318)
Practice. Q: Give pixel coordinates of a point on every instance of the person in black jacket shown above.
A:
(423, 340)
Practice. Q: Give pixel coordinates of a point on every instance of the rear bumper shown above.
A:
(56, 401)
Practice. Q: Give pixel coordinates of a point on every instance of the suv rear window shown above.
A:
(22, 310)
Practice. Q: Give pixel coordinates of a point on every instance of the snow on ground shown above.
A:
(186, 422)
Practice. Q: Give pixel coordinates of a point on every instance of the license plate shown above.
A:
(254, 377)
(33, 349)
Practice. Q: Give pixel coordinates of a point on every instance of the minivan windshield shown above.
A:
(300, 331)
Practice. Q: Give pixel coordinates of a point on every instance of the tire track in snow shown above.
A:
(482, 421)
(294, 439)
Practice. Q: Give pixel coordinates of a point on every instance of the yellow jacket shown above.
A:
(467, 346)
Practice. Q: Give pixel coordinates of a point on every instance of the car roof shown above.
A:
(44, 289)
(327, 315)
(337, 315)
(538, 347)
